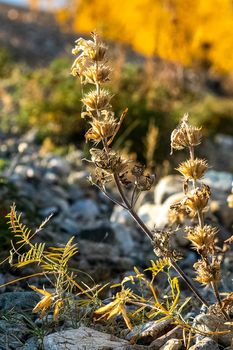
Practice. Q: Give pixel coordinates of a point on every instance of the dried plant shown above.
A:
(130, 178)
(51, 262)
(195, 202)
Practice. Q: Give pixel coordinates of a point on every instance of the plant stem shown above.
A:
(149, 234)
(217, 296)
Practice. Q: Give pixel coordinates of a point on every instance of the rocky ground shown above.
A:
(109, 243)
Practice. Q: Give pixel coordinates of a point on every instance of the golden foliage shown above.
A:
(188, 32)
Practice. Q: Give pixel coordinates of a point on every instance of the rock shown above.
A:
(83, 338)
(31, 344)
(70, 226)
(59, 166)
(146, 333)
(217, 150)
(219, 180)
(166, 187)
(124, 239)
(86, 209)
(175, 333)
(172, 344)
(18, 301)
(157, 215)
(2, 281)
(205, 344)
(79, 178)
(121, 216)
(211, 323)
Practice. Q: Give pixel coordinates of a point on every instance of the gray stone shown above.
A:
(31, 344)
(172, 344)
(79, 178)
(157, 215)
(59, 166)
(205, 344)
(2, 281)
(146, 333)
(211, 323)
(83, 338)
(70, 226)
(175, 333)
(18, 301)
(121, 216)
(86, 209)
(124, 239)
(219, 180)
(166, 187)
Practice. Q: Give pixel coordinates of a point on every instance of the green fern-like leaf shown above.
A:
(159, 265)
(58, 258)
(21, 232)
(34, 255)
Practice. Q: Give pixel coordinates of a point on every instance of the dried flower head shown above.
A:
(93, 76)
(202, 238)
(185, 135)
(143, 180)
(88, 51)
(97, 101)
(207, 273)
(162, 244)
(101, 129)
(193, 169)
(197, 199)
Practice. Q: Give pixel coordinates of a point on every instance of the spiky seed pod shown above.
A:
(185, 135)
(202, 238)
(93, 49)
(93, 76)
(100, 130)
(197, 199)
(207, 273)
(162, 244)
(105, 161)
(138, 170)
(101, 177)
(94, 101)
(145, 182)
(193, 169)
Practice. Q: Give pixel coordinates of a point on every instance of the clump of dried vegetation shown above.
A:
(131, 179)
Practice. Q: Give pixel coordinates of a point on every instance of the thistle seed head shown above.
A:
(143, 180)
(202, 238)
(207, 273)
(185, 135)
(97, 101)
(193, 169)
(197, 199)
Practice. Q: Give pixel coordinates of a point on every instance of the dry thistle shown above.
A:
(185, 135)
(196, 200)
(202, 238)
(207, 273)
(193, 169)
(130, 178)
